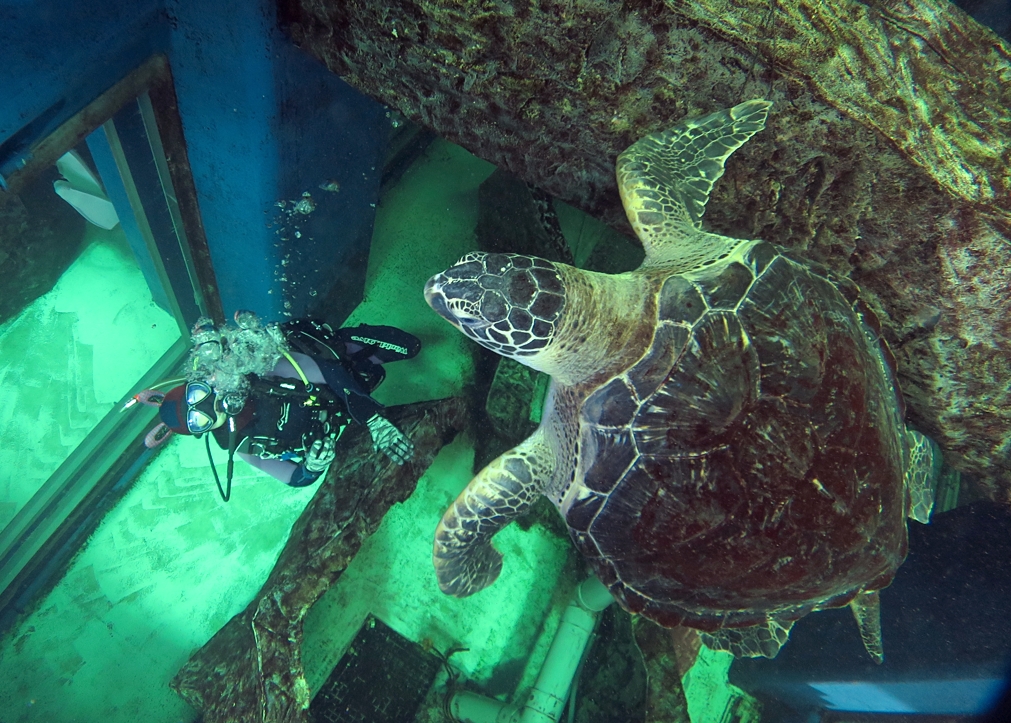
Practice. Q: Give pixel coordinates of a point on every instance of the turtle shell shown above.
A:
(750, 463)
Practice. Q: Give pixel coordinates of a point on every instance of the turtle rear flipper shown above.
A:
(757, 641)
(465, 561)
(665, 180)
(922, 473)
(866, 609)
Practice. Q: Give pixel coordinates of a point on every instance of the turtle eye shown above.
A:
(470, 321)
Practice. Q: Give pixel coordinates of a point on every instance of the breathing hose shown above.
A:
(225, 493)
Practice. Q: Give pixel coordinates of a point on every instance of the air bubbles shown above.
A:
(305, 205)
(396, 119)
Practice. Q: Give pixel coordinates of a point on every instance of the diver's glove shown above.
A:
(320, 455)
(389, 440)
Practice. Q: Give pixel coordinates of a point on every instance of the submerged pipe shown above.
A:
(469, 707)
(550, 691)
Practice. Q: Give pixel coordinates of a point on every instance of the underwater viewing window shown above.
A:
(105, 267)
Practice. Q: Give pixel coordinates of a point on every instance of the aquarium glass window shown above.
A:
(99, 289)
(89, 327)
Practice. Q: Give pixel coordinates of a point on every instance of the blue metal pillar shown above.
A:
(266, 124)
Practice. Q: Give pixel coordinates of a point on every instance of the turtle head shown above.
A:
(506, 302)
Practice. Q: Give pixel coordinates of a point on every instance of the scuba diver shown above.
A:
(280, 395)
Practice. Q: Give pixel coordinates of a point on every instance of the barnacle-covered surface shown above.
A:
(886, 156)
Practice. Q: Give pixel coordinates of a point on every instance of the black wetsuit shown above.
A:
(283, 416)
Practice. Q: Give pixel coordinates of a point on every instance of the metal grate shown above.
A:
(382, 678)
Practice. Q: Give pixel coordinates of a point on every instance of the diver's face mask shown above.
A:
(202, 411)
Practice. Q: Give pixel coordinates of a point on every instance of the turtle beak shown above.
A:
(436, 299)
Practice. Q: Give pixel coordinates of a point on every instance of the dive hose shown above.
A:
(233, 436)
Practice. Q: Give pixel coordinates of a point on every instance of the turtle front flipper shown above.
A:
(866, 609)
(665, 180)
(923, 470)
(465, 561)
(757, 641)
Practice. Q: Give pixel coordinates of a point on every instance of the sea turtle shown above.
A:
(723, 434)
